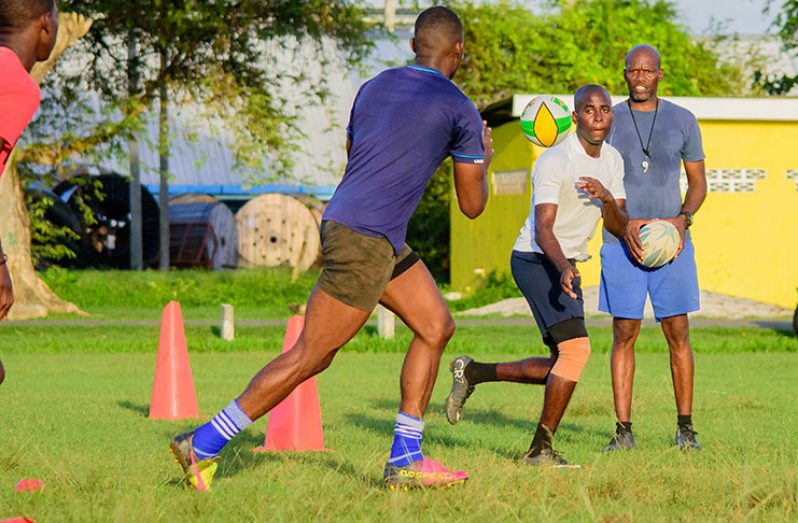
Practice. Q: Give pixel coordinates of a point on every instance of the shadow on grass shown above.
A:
(440, 437)
(138, 408)
(567, 430)
(784, 328)
(239, 456)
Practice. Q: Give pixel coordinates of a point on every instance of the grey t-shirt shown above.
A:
(675, 138)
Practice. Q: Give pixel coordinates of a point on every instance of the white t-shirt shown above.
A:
(553, 178)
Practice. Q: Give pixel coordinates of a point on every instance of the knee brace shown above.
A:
(573, 358)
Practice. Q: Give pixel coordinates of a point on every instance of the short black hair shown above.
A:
(436, 25)
(18, 14)
(584, 91)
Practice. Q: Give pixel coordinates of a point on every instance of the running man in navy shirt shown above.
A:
(404, 123)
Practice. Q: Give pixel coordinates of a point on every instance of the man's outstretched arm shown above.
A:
(471, 179)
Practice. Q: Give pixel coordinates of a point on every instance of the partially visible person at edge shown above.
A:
(543, 263)
(655, 137)
(28, 30)
(404, 122)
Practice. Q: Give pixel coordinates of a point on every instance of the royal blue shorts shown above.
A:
(672, 288)
(539, 281)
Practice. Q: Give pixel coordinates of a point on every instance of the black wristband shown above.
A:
(688, 216)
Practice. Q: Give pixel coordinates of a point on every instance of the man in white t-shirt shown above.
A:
(573, 185)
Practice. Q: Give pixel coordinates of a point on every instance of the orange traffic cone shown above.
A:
(173, 394)
(295, 423)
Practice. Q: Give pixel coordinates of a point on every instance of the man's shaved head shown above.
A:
(437, 30)
(643, 48)
(583, 94)
(19, 14)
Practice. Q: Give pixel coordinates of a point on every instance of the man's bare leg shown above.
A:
(531, 370)
(558, 394)
(677, 332)
(329, 324)
(415, 298)
(625, 332)
(467, 374)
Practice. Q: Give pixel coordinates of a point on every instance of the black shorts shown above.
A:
(539, 281)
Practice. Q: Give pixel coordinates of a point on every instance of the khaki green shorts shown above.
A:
(356, 268)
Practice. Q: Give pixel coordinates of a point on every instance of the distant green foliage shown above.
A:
(50, 243)
(786, 26)
(496, 287)
(510, 49)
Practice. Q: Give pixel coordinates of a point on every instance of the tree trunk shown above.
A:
(136, 240)
(32, 297)
(163, 154)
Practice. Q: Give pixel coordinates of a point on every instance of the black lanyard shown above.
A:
(650, 132)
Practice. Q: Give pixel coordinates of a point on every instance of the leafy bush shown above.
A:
(497, 287)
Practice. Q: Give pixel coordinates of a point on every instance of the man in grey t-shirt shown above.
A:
(654, 137)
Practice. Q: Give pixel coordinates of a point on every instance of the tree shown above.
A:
(215, 55)
(786, 26)
(32, 297)
(211, 53)
(510, 49)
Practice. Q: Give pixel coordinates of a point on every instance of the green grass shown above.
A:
(256, 294)
(75, 402)
(520, 340)
(138, 295)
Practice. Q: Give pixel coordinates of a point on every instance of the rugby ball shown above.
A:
(660, 241)
(546, 120)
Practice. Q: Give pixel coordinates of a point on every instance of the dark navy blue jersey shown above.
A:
(404, 123)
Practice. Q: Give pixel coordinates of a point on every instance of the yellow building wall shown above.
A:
(746, 242)
(483, 245)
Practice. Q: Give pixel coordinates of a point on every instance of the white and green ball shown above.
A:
(546, 120)
(660, 241)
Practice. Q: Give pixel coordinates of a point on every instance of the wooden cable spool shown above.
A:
(315, 206)
(202, 235)
(192, 197)
(275, 230)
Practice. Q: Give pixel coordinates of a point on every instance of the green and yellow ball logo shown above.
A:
(546, 120)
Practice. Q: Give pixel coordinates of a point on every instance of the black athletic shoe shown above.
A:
(686, 438)
(621, 440)
(460, 391)
(547, 458)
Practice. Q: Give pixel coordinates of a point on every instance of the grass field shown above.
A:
(74, 413)
(256, 293)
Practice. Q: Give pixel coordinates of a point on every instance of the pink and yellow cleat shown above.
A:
(425, 473)
(199, 473)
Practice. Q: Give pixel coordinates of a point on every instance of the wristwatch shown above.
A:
(688, 215)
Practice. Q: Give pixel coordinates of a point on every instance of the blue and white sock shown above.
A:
(406, 440)
(210, 438)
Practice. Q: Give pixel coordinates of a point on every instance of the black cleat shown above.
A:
(621, 440)
(686, 438)
(547, 458)
(460, 391)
